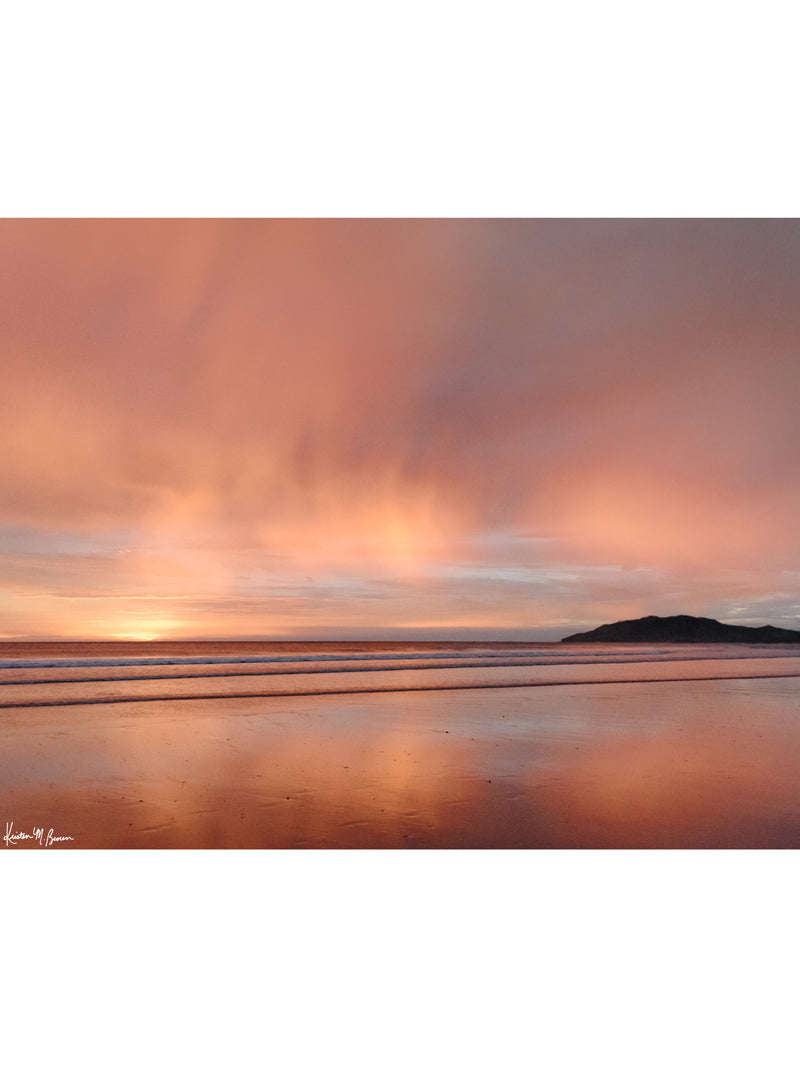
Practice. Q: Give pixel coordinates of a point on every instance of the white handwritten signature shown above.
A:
(38, 835)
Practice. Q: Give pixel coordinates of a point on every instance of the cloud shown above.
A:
(374, 400)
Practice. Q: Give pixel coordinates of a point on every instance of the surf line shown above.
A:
(324, 668)
(388, 689)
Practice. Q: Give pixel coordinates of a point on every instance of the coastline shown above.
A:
(689, 762)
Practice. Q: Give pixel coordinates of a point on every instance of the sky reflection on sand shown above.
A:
(695, 764)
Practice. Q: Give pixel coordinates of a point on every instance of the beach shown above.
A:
(638, 748)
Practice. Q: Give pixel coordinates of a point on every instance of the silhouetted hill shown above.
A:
(685, 628)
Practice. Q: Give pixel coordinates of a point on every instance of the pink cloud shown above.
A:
(379, 400)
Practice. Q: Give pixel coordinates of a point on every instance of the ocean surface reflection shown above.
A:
(680, 764)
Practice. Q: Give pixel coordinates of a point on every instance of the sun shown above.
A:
(142, 629)
(138, 635)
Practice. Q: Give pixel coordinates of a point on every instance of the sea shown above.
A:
(400, 745)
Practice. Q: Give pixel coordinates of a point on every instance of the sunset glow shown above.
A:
(289, 429)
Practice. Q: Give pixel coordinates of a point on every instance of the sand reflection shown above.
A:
(691, 764)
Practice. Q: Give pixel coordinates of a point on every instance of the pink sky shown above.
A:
(508, 429)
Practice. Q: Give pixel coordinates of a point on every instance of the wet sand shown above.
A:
(659, 764)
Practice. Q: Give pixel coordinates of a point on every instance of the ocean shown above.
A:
(439, 745)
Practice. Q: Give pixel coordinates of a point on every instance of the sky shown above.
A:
(396, 429)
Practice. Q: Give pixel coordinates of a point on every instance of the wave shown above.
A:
(53, 692)
(161, 661)
(320, 665)
(398, 689)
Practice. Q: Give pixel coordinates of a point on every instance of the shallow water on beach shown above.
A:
(534, 746)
